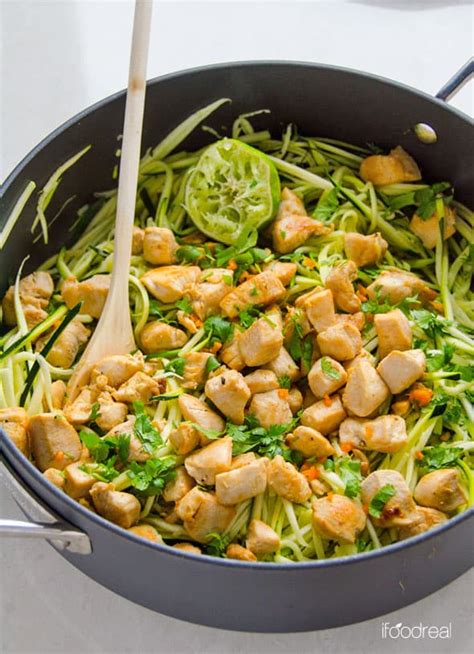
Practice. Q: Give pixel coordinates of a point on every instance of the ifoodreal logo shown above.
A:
(416, 632)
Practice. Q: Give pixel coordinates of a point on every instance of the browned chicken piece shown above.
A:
(393, 168)
(318, 487)
(295, 399)
(91, 292)
(156, 336)
(188, 321)
(393, 332)
(384, 434)
(319, 308)
(342, 342)
(197, 412)
(202, 514)
(79, 411)
(14, 421)
(194, 369)
(441, 489)
(139, 388)
(261, 342)
(243, 460)
(355, 319)
(34, 316)
(290, 203)
(121, 508)
(229, 393)
(339, 281)
(400, 509)
(270, 409)
(55, 477)
(337, 517)
(136, 450)
(230, 354)
(67, 345)
(326, 376)
(363, 354)
(118, 368)
(187, 547)
(260, 381)
(170, 283)
(159, 246)
(77, 482)
(147, 532)
(291, 231)
(284, 270)
(399, 370)
(426, 520)
(296, 318)
(178, 487)
(58, 394)
(204, 464)
(283, 365)
(54, 441)
(396, 285)
(365, 390)
(138, 236)
(325, 416)
(235, 551)
(110, 413)
(212, 287)
(286, 481)
(185, 438)
(261, 538)
(364, 250)
(427, 229)
(309, 442)
(35, 292)
(242, 483)
(263, 289)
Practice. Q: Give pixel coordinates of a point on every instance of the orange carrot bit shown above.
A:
(445, 437)
(365, 508)
(311, 473)
(327, 400)
(347, 447)
(369, 430)
(59, 456)
(421, 395)
(283, 393)
(419, 455)
(232, 265)
(197, 321)
(216, 347)
(309, 263)
(330, 495)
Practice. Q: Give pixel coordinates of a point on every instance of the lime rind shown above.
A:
(233, 187)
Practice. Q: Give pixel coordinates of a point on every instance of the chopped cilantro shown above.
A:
(251, 436)
(211, 364)
(425, 198)
(151, 477)
(177, 366)
(95, 412)
(439, 456)
(349, 472)
(184, 305)
(216, 545)
(284, 381)
(327, 205)
(328, 369)
(189, 253)
(218, 329)
(144, 430)
(380, 499)
(248, 316)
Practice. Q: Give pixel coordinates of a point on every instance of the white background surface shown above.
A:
(59, 57)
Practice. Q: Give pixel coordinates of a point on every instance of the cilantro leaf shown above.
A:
(218, 329)
(380, 499)
(284, 381)
(436, 359)
(251, 436)
(217, 544)
(425, 198)
(101, 471)
(95, 412)
(326, 206)
(184, 305)
(189, 253)
(439, 456)
(211, 364)
(151, 477)
(176, 366)
(144, 430)
(99, 449)
(349, 472)
(248, 316)
(247, 239)
(329, 371)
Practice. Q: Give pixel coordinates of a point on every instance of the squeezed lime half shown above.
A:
(233, 187)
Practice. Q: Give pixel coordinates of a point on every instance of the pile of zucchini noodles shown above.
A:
(312, 167)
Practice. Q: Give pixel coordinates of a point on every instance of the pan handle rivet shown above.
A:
(425, 133)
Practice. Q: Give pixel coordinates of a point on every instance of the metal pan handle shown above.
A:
(43, 524)
(457, 81)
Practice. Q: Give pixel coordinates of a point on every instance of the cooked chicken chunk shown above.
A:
(121, 508)
(399, 370)
(364, 250)
(79, 411)
(198, 412)
(243, 460)
(230, 354)
(341, 342)
(400, 509)
(291, 231)
(339, 281)
(261, 538)
(118, 368)
(35, 292)
(185, 438)
(91, 292)
(319, 308)
(229, 393)
(393, 332)
(14, 422)
(284, 270)
(139, 388)
(138, 237)
(356, 319)
(202, 514)
(137, 451)
(242, 483)
(441, 489)
(363, 354)
(427, 229)
(261, 342)
(187, 547)
(156, 336)
(270, 409)
(178, 487)
(426, 520)
(326, 376)
(54, 441)
(77, 482)
(204, 464)
(295, 399)
(55, 477)
(283, 365)
(396, 285)
(194, 369)
(67, 345)
(110, 413)
(235, 551)
(159, 246)
(147, 532)
(310, 442)
(213, 286)
(384, 434)
(263, 289)
(365, 390)
(393, 168)
(337, 517)
(325, 416)
(260, 381)
(286, 481)
(170, 283)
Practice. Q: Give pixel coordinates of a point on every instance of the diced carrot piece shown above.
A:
(347, 447)
(421, 395)
(232, 265)
(327, 400)
(419, 455)
(283, 393)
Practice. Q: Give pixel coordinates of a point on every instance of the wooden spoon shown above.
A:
(114, 333)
